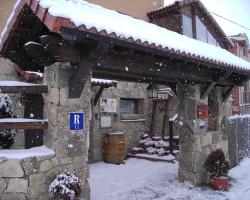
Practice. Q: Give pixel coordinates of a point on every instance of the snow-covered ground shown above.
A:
(143, 180)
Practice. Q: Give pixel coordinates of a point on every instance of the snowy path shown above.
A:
(143, 180)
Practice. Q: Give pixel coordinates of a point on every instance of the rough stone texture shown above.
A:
(59, 138)
(196, 142)
(45, 166)
(11, 168)
(3, 185)
(36, 173)
(17, 185)
(16, 196)
(132, 129)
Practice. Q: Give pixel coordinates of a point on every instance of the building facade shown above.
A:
(241, 95)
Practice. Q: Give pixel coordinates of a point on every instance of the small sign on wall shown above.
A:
(106, 121)
(202, 111)
(76, 121)
(108, 105)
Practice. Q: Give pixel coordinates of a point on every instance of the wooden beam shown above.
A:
(171, 136)
(24, 88)
(165, 118)
(210, 86)
(38, 53)
(227, 94)
(208, 90)
(79, 77)
(82, 33)
(17, 123)
(173, 88)
(153, 118)
(99, 94)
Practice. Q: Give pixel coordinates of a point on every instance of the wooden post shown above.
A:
(153, 117)
(171, 136)
(165, 118)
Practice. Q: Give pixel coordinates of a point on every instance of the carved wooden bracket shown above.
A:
(211, 85)
(227, 92)
(98, 94)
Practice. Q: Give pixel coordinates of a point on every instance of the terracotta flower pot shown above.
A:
(219, 183)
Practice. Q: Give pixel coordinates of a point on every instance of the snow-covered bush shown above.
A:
(151, 150)
(66, 186)
(6, 136)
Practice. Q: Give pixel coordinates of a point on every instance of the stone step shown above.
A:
(168, 158)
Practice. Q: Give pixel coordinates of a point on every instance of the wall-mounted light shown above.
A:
(152, 91)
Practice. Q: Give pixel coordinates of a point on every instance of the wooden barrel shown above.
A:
(114, 148)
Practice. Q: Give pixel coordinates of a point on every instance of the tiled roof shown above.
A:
(103, 82)
(123, 28)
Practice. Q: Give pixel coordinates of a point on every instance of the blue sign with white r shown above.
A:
(76, 121)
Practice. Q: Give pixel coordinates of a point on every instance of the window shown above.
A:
(187, 26)
(201, 30)
(132, 109)
(211, 39)
(129, 106)
(203, 34)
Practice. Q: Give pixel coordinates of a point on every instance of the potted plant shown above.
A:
(217, 165)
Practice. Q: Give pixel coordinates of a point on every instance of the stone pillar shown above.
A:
(215, 109)
(71, 148)
(198, 137)
(191, 157)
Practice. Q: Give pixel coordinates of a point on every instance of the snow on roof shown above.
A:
(26, 153)
(90, 15)
(170, 2)
(96, 80)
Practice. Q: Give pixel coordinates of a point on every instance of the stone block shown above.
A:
(223, 145)
(30, 165)
(16, 196)
(54, 162)
(45, 166)
(64, 94)
(36, 179)
(206, 139)
(17, 185)
(54, 95)
(6, 66)
(52, 114)
(3, 185)
(64, 161)
(36, 190)
(12, 169)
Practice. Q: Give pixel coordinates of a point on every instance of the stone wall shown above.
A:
(30, 178)
(132, 127)
(198, 136)
(71, 148)
(27, 178)
(8, 73)
(159, 115)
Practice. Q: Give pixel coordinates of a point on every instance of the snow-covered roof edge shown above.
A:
(96, 19)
